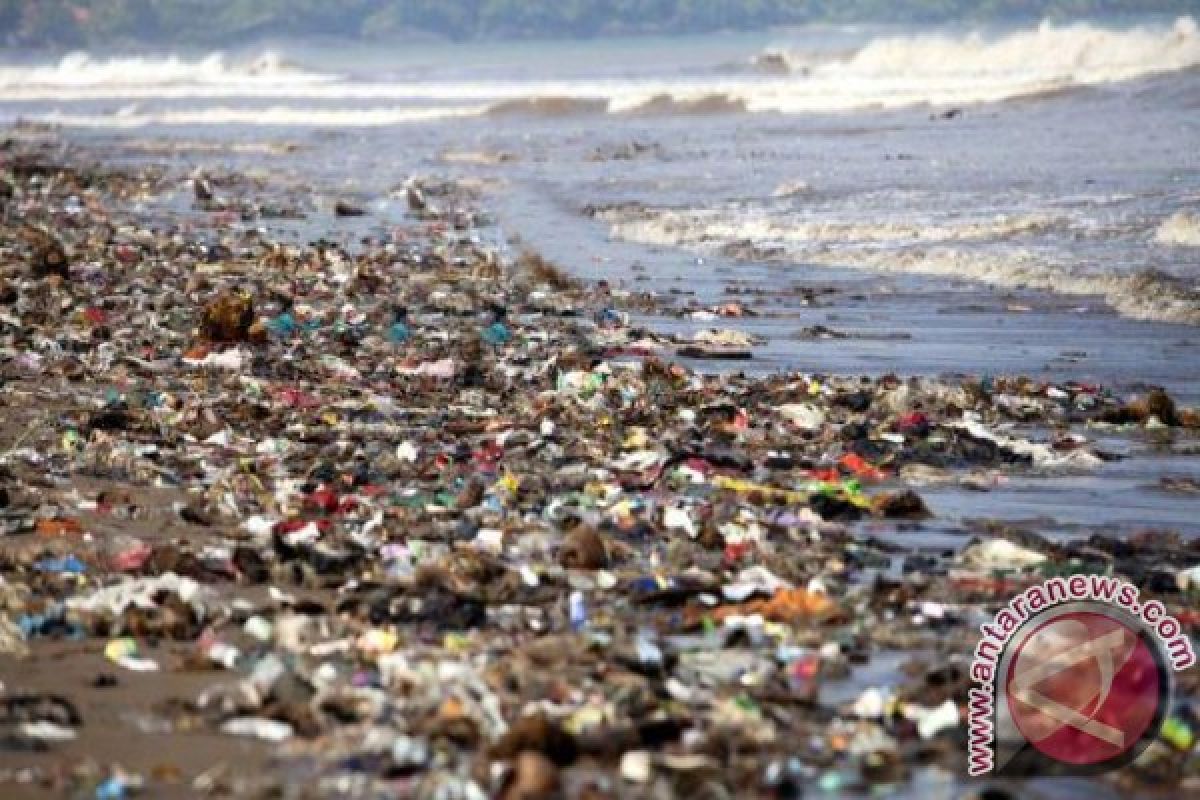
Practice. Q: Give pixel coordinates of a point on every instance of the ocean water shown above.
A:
(1003, 200)
(1058, 157)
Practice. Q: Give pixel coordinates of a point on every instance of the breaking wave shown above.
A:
(885, 72)
(1181, 228)
(81, 72)
(703, 227)
(942, 70)
(947, 250)
(550, 106)
(1146, 294)
(711, 103)
(1072, 54)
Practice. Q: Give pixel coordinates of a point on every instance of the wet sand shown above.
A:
(123, 725)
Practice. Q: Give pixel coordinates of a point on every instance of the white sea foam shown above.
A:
(1079, 53)
(276, 116)
(886, 72)
(1181, 228)
(1146, 294)
(941, 249)
(691, 228)
(89, 76)
(942, 70)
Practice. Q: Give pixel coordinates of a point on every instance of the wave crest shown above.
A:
(549, 106)
(81, 71)
(886, 72)
(1079, 52)
(1181, 228)
(706, 103)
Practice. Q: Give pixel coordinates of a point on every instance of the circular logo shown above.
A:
(1086, 688)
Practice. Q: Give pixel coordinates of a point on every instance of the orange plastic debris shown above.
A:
(862, 469)
(452, 708)
(59, 526)
(786, 605)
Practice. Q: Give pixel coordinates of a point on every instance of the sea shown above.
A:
(958, 200)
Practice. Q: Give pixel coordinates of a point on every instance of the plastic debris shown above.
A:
(412, 515)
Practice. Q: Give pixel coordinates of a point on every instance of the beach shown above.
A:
(438, 424)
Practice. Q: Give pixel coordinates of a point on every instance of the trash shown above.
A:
(793, 606)
(583, 548)
(422, 516)
(66, 564)
(932, 721)
(577, 611)
(113, 788)
(124, 652)
(497, 334)
(1188, 579)
(58, 527)
(804, 416)
(871, 704)
(533, 777)
(399, 332)
(12, 639)
(751, 581)
(860, 468)
(900, 505)
(49, 256)
(1179, 734)
(343, 208)
(268, 730)
(1000, 554)
(229, 317)
(47, 732)
(636, 766)
(259, 628)
(1155, 405)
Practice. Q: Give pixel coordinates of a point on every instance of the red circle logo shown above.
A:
(1083, 688)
